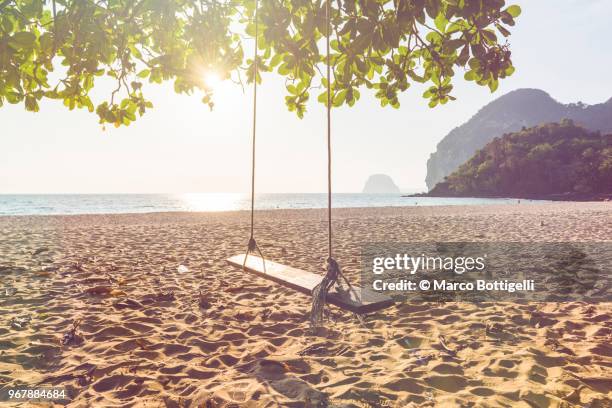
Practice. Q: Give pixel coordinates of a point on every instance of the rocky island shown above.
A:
(380, 184)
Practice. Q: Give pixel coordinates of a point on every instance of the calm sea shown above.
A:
(30, 204)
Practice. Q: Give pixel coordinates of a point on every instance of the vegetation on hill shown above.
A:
(555, 160)
(510, 113)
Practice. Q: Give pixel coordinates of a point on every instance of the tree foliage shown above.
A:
(59, 49)
(547, 160)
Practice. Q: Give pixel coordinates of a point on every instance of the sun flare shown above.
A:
(212, 80)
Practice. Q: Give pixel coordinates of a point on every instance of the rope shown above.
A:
(252, 245)
(54, 27)
(329, 168)
(319, 293)
(254, 121)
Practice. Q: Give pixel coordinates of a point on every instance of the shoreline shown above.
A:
(563, 197)
(531, 202)
(135, 204)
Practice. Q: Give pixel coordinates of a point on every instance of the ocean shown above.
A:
(55, 204)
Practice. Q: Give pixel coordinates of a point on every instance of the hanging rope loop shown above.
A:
(252, 245)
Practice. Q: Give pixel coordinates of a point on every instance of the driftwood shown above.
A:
(71, 337)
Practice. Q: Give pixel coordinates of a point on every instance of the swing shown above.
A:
(323, 289)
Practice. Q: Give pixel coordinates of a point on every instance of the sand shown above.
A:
(147, 338)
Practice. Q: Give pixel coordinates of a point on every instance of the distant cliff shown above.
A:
(510, 113)
(552, 161)
(380, 184)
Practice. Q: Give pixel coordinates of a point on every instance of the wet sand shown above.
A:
(212, 335)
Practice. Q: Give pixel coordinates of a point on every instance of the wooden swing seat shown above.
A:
(359, 300)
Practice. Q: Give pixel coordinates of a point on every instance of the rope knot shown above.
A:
(319, 293)
(333, 271)
(252, 246)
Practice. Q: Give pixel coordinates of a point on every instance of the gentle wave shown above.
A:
(48, 204)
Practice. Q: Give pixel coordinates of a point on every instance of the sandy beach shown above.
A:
(210, 335)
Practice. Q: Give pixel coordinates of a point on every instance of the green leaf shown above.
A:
(514, 10)
(144, 73)
(322, 97)
(7, 23)
(87, 103)
(339, 98)
(441, 22)
(46, 42)
(504, 31)
(490, 36)
(292, 89)
(463, 57)
(13, 97)
(276, 59)
(493, 85)
(31, 103)
(432, 7)
(23, 39)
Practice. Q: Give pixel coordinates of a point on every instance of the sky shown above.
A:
(560, 46)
